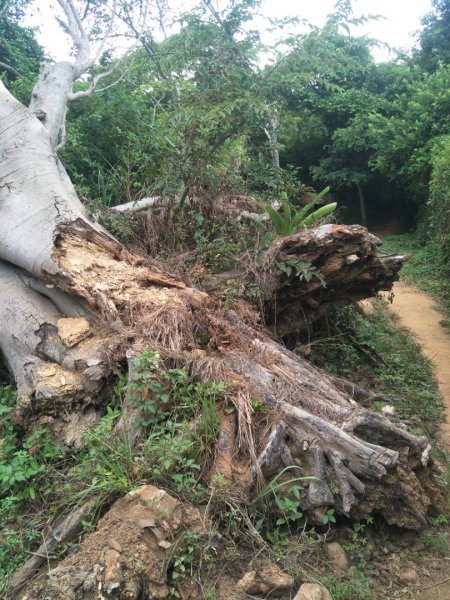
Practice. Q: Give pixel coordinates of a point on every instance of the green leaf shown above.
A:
(301, 214)
(277, 220)
(324, 211)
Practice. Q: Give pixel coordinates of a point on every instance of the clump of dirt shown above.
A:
(409, 565)
(126, 555)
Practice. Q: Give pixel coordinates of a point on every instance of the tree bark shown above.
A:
(304, 277)
(342, 266)
(362, 204)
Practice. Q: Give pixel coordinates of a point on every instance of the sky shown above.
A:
(401, 19)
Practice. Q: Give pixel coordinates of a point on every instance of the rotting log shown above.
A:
(345, 266)
(147, 309)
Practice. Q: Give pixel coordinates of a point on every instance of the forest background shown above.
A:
(197, 113)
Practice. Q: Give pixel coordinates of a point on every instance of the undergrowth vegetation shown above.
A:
(371, 350)
(180, 424)
(38, 478)
(27, 468)
(179, 418)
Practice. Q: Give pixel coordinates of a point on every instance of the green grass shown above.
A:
(372, 351)
(27, 473)
(38, 479)
(425, 269)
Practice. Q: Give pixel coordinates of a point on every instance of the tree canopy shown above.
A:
(196, 109)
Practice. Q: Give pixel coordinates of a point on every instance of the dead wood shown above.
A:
(347, 456)
(344, 266)
(314, 424)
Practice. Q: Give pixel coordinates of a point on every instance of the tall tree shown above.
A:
(20, 54)
(434, 37)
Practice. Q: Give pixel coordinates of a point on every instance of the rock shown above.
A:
(125, 555)
(313, 591)
(408, 577)
(266, 579)
(418, 546)
(337, 556)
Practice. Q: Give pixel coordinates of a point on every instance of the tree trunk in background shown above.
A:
(362, 204)
(271, 132)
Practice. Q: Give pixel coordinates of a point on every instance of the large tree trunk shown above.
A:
(342, 265)
(73, 301)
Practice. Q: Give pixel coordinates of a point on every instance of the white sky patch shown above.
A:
(397, 28)
(401, 21)
(41, 14)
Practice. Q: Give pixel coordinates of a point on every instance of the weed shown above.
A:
(243, 289)
(354, 586)
(305, 271)
(24, 465)
(329, 517)
(358, 545)
(105, 468)
(172, 451)
(290, 219)
(382, 357)
(436, 538)
(194, 557)
(156, 391)
(276, 509)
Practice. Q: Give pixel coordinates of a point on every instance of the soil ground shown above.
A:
(417, 312)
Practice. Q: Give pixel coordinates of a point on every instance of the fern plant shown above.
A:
(288, 221)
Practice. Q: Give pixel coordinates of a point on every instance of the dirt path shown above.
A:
(416, 311)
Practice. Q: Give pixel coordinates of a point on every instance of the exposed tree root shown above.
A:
(351, 450)
(313, 424)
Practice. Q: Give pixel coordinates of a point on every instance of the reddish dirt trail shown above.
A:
(416, 311)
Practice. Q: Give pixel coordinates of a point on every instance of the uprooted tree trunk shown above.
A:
(73, 301)
(304, 277)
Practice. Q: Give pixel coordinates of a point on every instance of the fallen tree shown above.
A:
(74, 301)
(303, 278)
